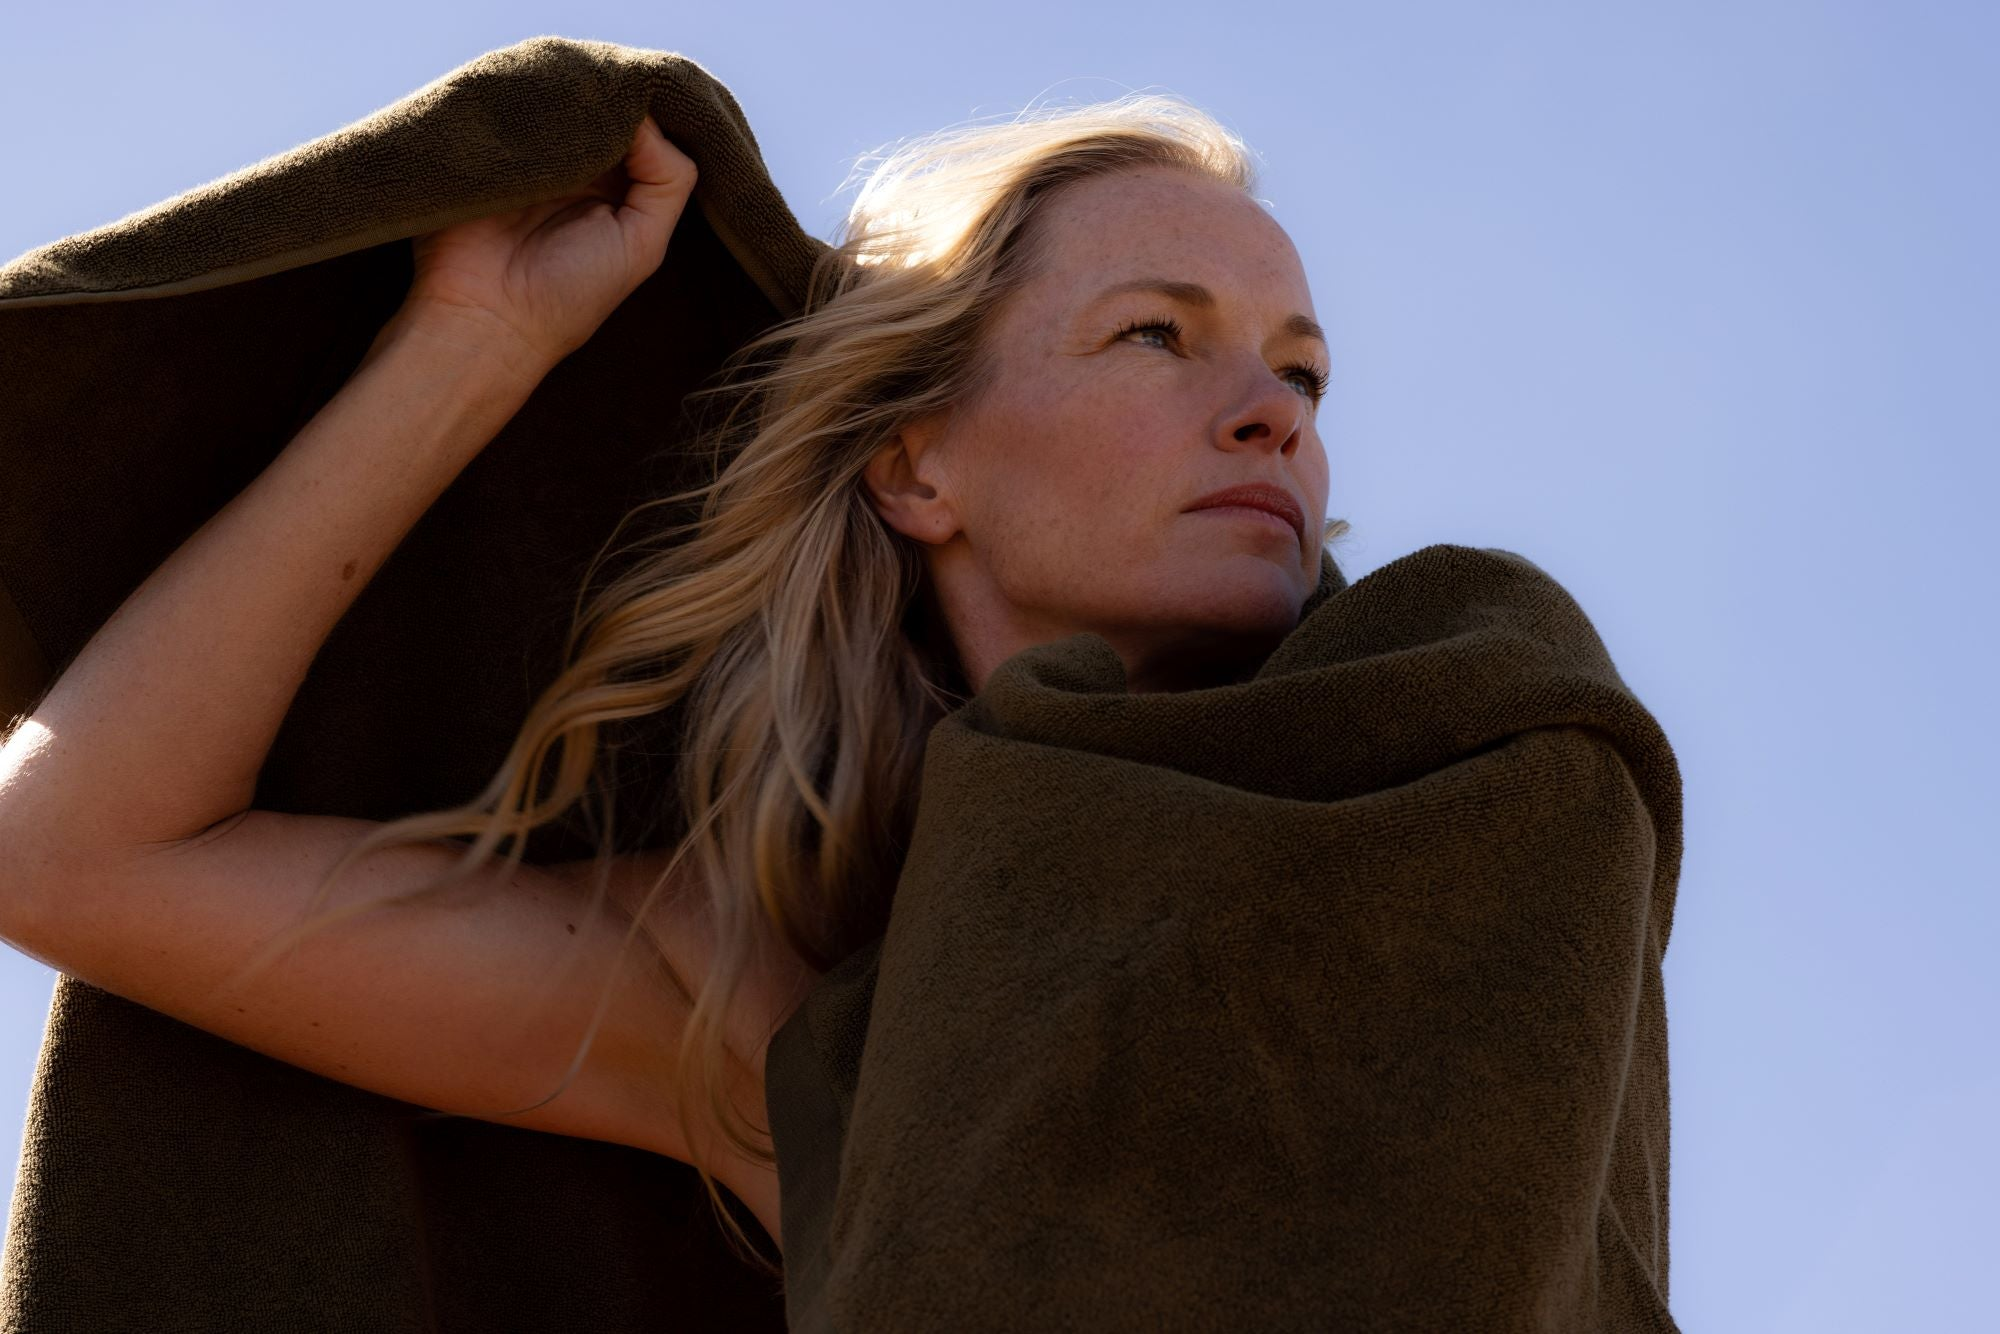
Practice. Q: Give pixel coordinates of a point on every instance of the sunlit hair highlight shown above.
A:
(788, 615)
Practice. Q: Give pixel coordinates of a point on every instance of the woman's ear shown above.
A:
(899, 480)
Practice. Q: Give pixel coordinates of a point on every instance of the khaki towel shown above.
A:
(1328, 1001)
(149, 369)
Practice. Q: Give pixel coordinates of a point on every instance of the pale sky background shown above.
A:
(1693, 305)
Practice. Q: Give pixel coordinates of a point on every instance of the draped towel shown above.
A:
(149, 369)
(1330, 1000)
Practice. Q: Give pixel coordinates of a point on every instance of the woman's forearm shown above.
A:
(158, 728)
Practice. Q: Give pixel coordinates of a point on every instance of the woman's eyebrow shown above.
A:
(1194, 294)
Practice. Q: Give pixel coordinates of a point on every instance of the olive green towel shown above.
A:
(1328, 1001)
(149, 369)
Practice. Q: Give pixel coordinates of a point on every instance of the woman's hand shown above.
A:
(534, 283)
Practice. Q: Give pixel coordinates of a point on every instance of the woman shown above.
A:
(1044, 357)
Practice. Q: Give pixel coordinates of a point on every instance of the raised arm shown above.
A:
(158, 728)
(129, 859)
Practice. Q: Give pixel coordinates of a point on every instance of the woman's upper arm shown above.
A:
(474, 1006)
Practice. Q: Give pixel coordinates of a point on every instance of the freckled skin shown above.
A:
(1054, 504)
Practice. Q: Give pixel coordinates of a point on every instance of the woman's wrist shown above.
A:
(463, 349)
(446, 387)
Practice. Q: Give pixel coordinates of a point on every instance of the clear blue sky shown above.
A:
(1693, 305)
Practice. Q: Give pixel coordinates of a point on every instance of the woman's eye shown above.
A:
(1163, 333)
(1165, 330)
(1311, 378)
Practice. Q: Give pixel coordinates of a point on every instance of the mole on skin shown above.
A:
(347, 571)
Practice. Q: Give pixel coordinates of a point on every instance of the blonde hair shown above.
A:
(789, 618)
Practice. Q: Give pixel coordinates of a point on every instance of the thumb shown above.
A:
(662, 179)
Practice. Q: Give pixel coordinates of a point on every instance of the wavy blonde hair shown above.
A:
(797, 625)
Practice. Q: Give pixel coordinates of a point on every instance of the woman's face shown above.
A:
(1058, 500)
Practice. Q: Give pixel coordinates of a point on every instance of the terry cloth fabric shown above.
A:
(149, 370)
(1330, 1000)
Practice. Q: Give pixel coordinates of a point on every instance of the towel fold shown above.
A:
(1330, 1000)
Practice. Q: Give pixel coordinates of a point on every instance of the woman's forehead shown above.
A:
(1152, 199)
(1174, 234)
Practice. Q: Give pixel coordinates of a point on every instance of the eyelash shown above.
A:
(1313, 374)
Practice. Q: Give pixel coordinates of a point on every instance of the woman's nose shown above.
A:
(1269, 411)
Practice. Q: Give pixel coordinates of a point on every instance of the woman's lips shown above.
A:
(1264, 497)
(1262, 518)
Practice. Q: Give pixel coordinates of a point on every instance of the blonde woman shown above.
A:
(1059, 375)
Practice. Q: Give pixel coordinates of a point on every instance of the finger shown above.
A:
(662, 179)
(652, 161)
(609, 185)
